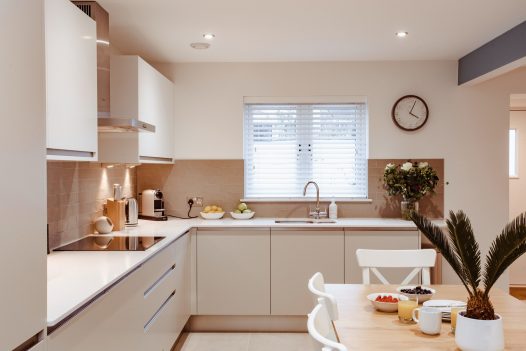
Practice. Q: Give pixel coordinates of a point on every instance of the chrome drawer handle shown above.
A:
(159, 281)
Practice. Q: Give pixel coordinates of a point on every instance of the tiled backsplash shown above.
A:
(221, 182)
(77, 192)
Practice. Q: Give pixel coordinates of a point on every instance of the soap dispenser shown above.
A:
(333, 210)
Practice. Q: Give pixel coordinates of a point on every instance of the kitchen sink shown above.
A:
(305, 220)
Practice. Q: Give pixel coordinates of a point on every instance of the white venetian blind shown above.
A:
(286, 145)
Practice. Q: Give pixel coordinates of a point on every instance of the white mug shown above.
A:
(429, 320)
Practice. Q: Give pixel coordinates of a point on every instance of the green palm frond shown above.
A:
(465, 246)
(504, 250)
(441, 242)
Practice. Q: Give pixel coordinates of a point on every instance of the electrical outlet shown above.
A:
(198, 201)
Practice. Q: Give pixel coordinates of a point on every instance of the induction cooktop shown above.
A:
(112, 243)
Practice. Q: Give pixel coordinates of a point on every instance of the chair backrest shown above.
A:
(316, 286)
(320, 328)
(420, 260)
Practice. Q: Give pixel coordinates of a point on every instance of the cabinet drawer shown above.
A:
(158, 292)
(160, 329)
(157, 266)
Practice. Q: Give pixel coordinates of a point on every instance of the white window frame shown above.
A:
(513, 174)
(309, 100)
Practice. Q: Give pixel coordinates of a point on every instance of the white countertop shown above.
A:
(76, 277)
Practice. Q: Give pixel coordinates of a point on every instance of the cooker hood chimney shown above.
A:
(106, 122)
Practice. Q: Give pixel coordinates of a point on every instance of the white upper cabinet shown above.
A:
(140, 92)
(71, 82)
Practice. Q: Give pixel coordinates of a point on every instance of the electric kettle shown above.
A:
(132, 212)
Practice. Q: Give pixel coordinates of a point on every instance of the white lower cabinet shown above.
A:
(378, 240)
(296, 254)
(144, 311)
(182, 282)
(168, 297)
(113, 322)
(233, 271)
(41, 346)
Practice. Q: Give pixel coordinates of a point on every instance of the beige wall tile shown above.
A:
(220, 182)
(77, 192)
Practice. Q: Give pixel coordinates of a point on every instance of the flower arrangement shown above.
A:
(412, 180)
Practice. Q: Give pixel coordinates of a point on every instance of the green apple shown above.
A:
(237, 211)
(242, 206)
(247, 211)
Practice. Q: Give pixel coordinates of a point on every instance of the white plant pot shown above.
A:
(479, 335)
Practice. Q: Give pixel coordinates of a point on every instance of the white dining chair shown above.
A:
(321, 330)
(420, 260)
(316, 286)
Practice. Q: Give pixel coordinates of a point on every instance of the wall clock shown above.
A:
(410, 112)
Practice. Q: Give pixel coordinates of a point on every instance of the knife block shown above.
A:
(115, 210)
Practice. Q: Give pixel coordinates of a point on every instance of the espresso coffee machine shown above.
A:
(152, 205)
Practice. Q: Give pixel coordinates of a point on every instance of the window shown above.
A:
(514, 154)
(286, 145)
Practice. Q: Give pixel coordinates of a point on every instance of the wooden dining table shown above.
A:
(361, 327)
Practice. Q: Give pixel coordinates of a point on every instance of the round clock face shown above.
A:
(410, 112)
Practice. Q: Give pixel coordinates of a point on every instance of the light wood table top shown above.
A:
(361, 327)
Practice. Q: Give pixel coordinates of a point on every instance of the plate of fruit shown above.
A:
(423, 293)
(386, 302)
(212, 212)
(242, 212)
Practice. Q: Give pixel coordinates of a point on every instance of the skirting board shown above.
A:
(269, 324)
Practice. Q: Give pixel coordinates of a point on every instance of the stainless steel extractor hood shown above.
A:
(115, 124)
(106, 122)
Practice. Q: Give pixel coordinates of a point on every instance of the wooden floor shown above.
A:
(518, 292)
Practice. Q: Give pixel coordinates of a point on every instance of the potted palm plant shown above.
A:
(479, 327)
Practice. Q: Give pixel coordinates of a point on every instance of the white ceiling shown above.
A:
(307, 30)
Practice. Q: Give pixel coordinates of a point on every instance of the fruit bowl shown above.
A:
(212, 215)
(386, 306)
(418, 292)
(245, 215)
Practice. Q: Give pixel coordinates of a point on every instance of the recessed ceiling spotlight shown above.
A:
(401, 34)
(209, 36)
(200, 46)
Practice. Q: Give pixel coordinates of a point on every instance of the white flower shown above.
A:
(390, 166)
(407, 166)
(423, 165)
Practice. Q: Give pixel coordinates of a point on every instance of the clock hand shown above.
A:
(413, 115)
(411, 110)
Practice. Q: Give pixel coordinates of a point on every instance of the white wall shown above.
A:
(467, 125)
(518, 190)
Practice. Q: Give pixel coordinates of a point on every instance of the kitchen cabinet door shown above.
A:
(182, 282)
(379, 240)
(296, 255)
(112, 322)
(139, 91)
(23, 176)
(71, 82)
(155, 107)
(233, 271)
(41, 346)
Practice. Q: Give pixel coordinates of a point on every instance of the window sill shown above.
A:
(306, 199)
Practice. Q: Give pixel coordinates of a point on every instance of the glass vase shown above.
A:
(407, 207)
